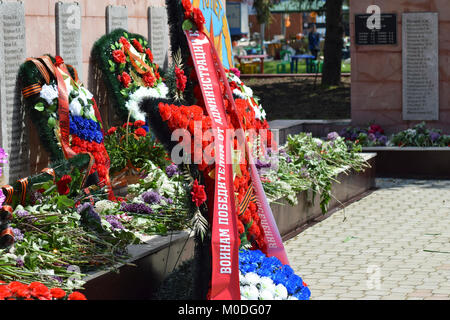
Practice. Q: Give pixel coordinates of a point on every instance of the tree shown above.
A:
(333, 43)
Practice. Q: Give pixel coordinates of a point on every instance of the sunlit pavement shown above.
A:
(393, 244)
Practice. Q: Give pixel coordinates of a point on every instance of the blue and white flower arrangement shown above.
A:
(266, 278)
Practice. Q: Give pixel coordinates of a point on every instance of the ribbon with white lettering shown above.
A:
(272, 235)
(224, 246)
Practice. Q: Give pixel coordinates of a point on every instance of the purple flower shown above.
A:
(371, 137)
(288, 159)
(19, 263)
(18, 235)
(304, 172)
(383, 140)
(114, 222)
(89, 209)
(167, 200)
(140, 208)
(23, 214)
(434, 136)
(151, 197)
(172, 170)
(332, 136)
(259, 164)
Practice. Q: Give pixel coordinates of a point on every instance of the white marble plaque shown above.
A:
(158, 35)
(14, 137)
(116, 18)
(420, 66)
(68, 34)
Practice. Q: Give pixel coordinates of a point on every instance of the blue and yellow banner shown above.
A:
(217, 25)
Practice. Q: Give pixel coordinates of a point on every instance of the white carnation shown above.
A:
(248, 91)
(49, 93)
(250, 292)
(281, 291)
(104, 205)
(75, 107)
(252, 278)
(266, 295)
(238, 93)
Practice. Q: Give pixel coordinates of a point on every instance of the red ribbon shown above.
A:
(224, 245)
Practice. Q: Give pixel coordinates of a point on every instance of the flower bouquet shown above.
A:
(420, 136)
(263, 278)
(373, 136)
(130, 75)
(130, 147)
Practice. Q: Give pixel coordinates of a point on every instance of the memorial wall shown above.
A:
(401, 72)
(31, 28)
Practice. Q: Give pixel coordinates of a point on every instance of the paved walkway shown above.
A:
(393, 244)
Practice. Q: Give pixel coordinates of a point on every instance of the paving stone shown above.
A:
(407, 218)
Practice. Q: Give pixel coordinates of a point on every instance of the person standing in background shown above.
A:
(314, 41)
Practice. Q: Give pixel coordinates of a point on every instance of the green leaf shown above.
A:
(39, 106)
(187, 25)
(51, 122)
(64, 202)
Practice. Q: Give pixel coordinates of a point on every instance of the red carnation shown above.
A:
(124, 78)
(139, 123)
(57, 293)
(59, 61)
(149, 54)
(4, 292)
(40, 291)
(111, 131)
(63, 185)
(140, 132)
(128, 124)
(149, 79)
(124, 42)
(199, 19)
(198, 193)
(76, 296)
(181, 79)
(119, 56)
(165, 111)
(137, 45)
(187, 8)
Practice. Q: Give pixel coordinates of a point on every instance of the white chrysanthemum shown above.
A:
(161, 91)
(266, 295)
(133, 107)
(239, 94)
(104, 205)
(250, 292)
(248, 91)
(75, 107)
(267, 284)
(252, 278)
(234, 78)
(263, 113)
(85, 95)
(49, 93)
(281, 291)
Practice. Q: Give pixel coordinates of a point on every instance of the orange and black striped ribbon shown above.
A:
(31, 90)
(50, 172)
(248, 197)
(41, 69)
(24, 183)
(8, 191)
